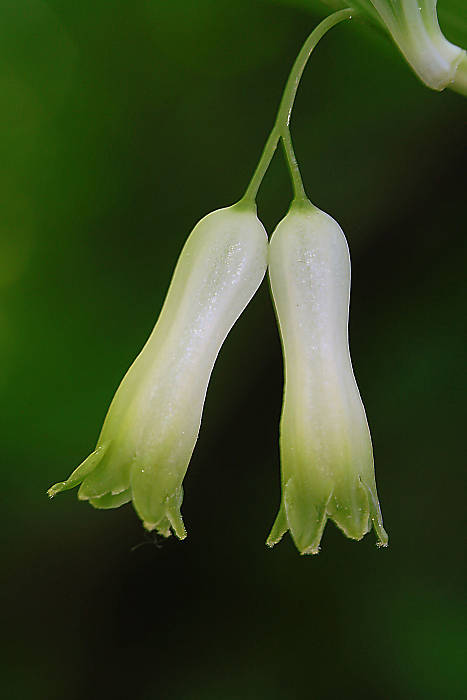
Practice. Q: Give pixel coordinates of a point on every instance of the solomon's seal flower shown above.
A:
(152, 425)
(326, 452)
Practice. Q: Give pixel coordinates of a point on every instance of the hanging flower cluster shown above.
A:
(152, 425)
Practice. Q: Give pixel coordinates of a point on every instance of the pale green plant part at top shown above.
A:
(414, 27)
(152, 425)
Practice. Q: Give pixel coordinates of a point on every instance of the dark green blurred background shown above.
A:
(121, 124)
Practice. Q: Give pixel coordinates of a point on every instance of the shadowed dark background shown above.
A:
(121, 124)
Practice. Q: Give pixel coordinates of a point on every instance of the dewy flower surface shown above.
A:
(325, 444)
(152, 425)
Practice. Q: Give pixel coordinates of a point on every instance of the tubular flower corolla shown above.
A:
(152, 425)
(325, 445)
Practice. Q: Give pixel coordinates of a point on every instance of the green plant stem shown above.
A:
(281, 124)
(297, 182)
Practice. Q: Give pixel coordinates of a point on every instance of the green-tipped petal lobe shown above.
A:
(306, 515)
(85, 468)
(112, 476)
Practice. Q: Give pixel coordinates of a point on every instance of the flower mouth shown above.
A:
(105, 478)
(305, 516)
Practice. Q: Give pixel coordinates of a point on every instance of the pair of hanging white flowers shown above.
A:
(152, 425)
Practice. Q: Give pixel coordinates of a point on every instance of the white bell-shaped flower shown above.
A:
(152, 424)
(325, 445)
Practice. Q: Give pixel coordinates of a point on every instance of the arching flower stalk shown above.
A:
(152, 424)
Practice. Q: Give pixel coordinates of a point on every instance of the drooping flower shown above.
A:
(152, 424)
(325, 445)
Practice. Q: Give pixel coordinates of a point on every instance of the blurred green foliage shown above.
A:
(121, 125)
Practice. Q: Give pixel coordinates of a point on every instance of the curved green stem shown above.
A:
(288, 97)
(281, 124)
(264, 162)
(298, 188)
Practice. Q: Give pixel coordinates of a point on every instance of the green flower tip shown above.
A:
(353, 508)
(56, 488)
